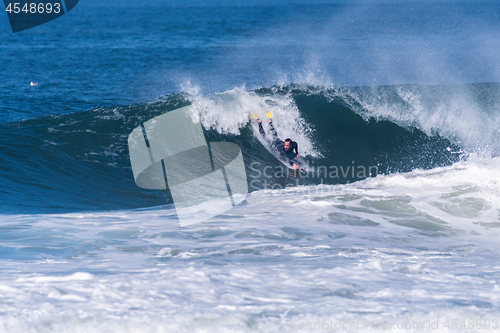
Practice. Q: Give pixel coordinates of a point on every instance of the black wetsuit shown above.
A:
(277, 143)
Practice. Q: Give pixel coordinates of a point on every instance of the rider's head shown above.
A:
(288, 144)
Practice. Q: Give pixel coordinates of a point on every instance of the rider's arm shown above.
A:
(296, 147)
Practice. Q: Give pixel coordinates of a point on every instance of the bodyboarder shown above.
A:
(287, 149)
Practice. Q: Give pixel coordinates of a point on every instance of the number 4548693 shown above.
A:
(471, 324)
(34, 8)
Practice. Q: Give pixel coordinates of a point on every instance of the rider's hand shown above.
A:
(295, 166)
(298, 155)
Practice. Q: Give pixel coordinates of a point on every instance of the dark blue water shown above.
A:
(103, 67)
(124, 52)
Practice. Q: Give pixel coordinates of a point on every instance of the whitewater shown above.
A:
(395, 105)
(377, 250)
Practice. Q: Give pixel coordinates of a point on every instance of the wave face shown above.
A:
(80, 161)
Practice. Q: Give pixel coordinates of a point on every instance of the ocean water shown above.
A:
(394, 104)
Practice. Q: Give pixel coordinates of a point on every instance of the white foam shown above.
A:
(452, 111)
(300, 255)
(229, 112)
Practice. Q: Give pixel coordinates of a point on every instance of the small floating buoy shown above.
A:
(33, 83)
